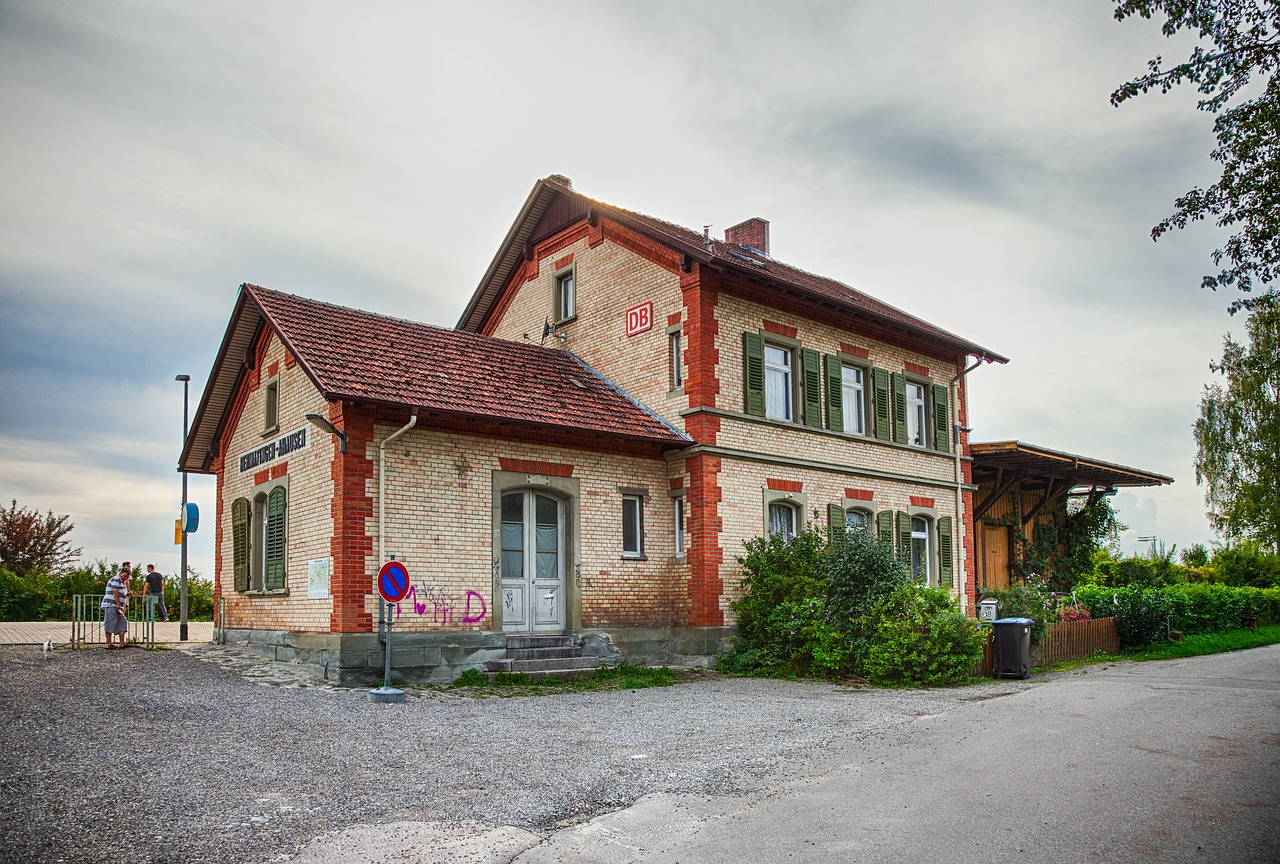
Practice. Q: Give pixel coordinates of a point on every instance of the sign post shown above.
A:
(393, 585)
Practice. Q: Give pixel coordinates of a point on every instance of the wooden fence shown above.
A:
(1066, 640)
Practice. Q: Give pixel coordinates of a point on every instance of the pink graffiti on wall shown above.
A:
(442, 605)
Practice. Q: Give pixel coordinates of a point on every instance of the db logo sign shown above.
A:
(639, 318)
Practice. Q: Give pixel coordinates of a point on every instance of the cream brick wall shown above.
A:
(309, 519)
(742, 508)
(609, 280)
(737, 316)
(439, 524)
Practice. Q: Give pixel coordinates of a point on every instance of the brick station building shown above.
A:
(622, 404)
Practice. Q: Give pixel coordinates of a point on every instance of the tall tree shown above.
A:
(1238, 433)
(1243, 39)
(31, 543)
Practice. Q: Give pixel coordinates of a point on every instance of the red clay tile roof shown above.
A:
(361, 356)
(731, 255)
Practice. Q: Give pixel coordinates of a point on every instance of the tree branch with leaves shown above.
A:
(31, 543)
(1243, 39)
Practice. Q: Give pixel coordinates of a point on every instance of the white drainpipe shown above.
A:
(382, 509)
(957, 429)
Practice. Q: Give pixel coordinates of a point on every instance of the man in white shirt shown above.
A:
(115, 603)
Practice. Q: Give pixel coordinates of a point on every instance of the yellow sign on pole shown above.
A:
(177, 532)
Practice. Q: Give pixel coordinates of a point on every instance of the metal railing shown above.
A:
(86, 620)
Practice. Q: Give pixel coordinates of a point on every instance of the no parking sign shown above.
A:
(393, 581)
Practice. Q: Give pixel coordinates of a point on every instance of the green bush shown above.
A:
(860, 571)
(1142, 614)
(41, 597)
(921, 638)
(1032, 600)
(1245, 564)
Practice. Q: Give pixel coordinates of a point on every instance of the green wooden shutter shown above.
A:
(835, 393)
(753, 373)
(946, 566)
(884, 520)
(835, 525)
(240, 543)
(273, 577)
(810, 362)
(904, 535)
(941, 420)
(899, 408)
(884, 404)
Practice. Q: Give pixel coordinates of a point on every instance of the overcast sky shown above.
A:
(956, 158)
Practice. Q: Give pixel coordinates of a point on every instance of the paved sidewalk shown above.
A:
(59, 632)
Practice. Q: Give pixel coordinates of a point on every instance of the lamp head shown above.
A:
(183, 378)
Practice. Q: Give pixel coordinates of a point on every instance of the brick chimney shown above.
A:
(753, 233)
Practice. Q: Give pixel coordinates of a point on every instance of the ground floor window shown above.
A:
(920, 558)
(258, 538)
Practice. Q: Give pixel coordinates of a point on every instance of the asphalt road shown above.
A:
(1170, 762)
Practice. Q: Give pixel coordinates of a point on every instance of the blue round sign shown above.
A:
(393, 581)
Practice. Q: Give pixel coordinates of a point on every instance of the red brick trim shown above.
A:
(676, 483)
(784, 485)
(859, 494)
(657, 253)
(260, 477)
(781, 329)
(273, 370)
(289, 360)
(916, 368)
(534, 466)
(673, 319)
(855, 350)
(351, 545)
(564, 262)
(705, 554)
(278, 471)
(919, 501)
(699, 291)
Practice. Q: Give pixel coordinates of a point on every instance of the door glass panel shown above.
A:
(513, 536)
(547, 537)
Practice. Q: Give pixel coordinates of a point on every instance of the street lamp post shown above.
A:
(182, 578)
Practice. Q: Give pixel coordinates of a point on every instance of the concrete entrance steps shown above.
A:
(544, 657)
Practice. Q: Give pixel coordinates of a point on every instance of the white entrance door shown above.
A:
(532, 563)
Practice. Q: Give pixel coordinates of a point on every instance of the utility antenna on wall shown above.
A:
(549, 329)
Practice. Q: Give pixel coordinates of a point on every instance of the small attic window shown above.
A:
(566, 298)
(271, 406)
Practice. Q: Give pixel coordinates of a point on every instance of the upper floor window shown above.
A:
(677, 361)
(778, 400)
(853, 399)
(915, 414)
(566, 295)
(271, 406)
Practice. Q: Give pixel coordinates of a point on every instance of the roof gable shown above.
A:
(357, 356)
(553, 204)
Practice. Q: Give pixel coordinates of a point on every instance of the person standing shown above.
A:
(155, 588)
(115, 602)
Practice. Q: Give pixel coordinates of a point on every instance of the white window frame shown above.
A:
(678, 517)
(922, 549)
(565, 285)
(271, 405)
(677, 359)
(636, 520)
(785, 373)
(854, 398)
(917, 434)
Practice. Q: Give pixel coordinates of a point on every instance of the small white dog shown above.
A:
(48, 648)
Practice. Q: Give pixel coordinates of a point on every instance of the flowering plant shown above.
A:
(1073, 612)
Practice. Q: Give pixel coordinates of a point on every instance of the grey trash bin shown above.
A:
(1011, 649)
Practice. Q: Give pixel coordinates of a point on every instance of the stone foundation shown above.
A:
(357, 659)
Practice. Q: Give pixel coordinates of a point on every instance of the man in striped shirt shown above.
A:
(114, 604)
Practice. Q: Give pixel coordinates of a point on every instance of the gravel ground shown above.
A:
(210, 754)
